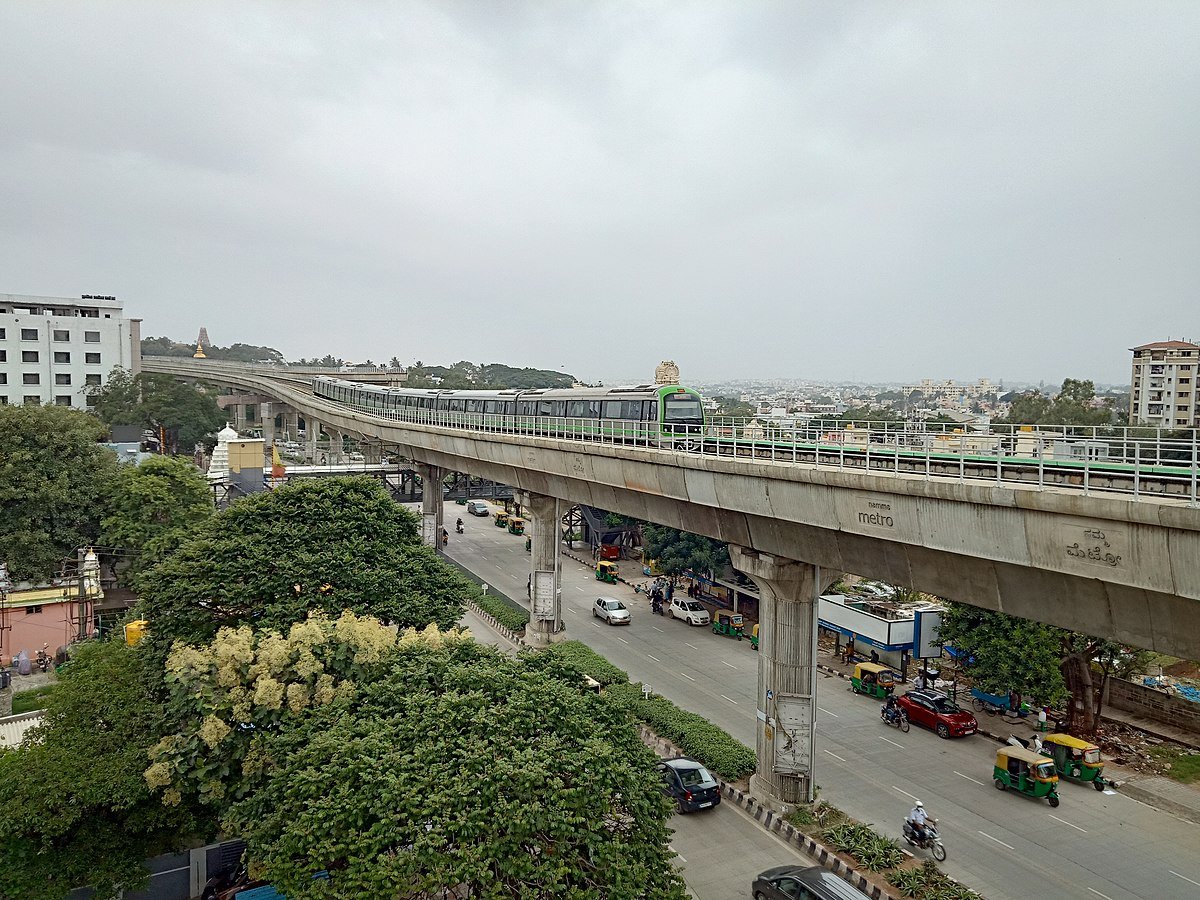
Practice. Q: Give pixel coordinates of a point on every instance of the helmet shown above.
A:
(919, 805)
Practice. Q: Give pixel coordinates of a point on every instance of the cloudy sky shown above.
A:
(793, 189)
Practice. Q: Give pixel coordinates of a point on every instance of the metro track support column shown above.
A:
(431, 504)
(545, 577)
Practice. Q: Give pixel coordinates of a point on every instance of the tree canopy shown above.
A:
(77, 809)
(1070, 406)
(164, 346)
(150, 401)
(328, 544)
(406, 765)
(53, 476)
(152, 507)
(675, 551)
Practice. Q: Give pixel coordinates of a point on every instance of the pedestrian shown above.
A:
(529, 586)
(874, 656)
(670, 591)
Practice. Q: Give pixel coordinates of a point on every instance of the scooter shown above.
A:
(459, 527)
(656, 607)
(44, 660)
(931, 842)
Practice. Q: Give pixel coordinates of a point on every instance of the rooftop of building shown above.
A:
(1168, 345)
(89, 301)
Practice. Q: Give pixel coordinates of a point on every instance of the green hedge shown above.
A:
(586, 661)
(693, 734)
(929, 883)
(511, 618)
(870, 848)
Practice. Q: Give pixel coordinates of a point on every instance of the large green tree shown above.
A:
(53, 478)
(268, 560)
(675, 551)
(1072, 405)
(152, 507)
(151, 400)
(414, 765)
(77, 809)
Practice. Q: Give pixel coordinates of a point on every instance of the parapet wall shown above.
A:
(1157, 705)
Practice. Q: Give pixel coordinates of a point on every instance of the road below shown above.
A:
(1095, 845)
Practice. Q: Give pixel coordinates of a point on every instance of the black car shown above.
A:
(802, 883)
(689, 784)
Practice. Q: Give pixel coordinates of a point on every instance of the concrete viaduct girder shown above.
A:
(1114, 567)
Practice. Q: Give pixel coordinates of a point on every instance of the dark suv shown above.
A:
(939, 712)
(689, 784)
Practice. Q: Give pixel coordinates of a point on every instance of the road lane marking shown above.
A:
(997, 840)
(596, 624)
(828, 713)
(728, 664)
(834, 755)
(693, 646)
(498, 566)
(687, 676)
(730, 699)
(893, 743)
(659, 630)
(1065, 822)
(655, 658)
(969, 778)
(1098, 894)
(622, 640)
(676, 852)
(581, 590)
(1184, 877)
(905, 793)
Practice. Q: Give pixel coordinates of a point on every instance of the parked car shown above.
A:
(478, 508)
(611, 610)
(937, 711)
(691, 611)
(689, 784)
(802, 883)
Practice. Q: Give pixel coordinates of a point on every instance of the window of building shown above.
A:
(3, 356)
(90, 400)
(1, 330)
(29, 334)
(29, 356)
(62, 335)
(91, 379)
(33, 400)
(62, 357)
(92, 359)
(31, 378)
(3, 399)
(62, 378)
(91, 337)
(62, 400)
(32, 610)
(3, 378)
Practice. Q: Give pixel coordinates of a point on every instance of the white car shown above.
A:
(691, 611)
(611, 610)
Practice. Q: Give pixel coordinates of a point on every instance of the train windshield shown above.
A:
(683, 409)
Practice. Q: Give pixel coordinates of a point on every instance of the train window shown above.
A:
(442, 403)
(474, 406)
(489, 406)
(612, 409)
(545, 408)
(631, 409)
(456, 405)
(650, 411)
(526, 408)
(560, 408)
(509, 407)
(577, 409)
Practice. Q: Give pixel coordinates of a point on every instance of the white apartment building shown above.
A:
(51, 348)
(1164, 385)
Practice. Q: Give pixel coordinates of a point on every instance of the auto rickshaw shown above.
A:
(754, 637)
(728, 623)
(873, 679)
(606, 571)
(501, 518)
(1075, 759)
(1026, 772)
(516, 525)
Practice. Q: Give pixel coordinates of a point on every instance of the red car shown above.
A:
(939, 712)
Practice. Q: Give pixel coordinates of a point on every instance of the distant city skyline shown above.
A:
(845, 191)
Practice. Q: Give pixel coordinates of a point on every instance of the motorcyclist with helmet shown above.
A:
(917, 818)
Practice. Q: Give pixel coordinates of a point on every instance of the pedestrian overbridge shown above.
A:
(1112, 566)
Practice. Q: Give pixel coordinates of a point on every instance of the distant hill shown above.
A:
(164, 346)
(489, 376)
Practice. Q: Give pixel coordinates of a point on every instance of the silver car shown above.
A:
(611, 610)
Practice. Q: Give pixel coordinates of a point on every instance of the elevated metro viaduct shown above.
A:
(795, 528)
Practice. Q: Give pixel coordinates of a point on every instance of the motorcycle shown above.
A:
(656, 607)
(897, 718)
(459, 527)
(44, 661)
(931, 842)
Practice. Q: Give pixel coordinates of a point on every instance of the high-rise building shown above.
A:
(1163, 389)
(52, 348)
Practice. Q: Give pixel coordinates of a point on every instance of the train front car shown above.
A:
(681, 417)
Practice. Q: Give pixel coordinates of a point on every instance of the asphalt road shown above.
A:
(1095, 845)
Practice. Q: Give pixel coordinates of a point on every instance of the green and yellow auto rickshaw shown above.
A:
(516, 525)
(1026, 772)
(754, 637)
(606, 571)
(729, 624)
(873, 679)
(1075, 759)
(501, 518)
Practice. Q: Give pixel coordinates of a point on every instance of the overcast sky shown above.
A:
(874, 191)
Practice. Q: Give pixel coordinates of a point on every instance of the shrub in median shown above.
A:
(509, 616)
(929, 883)
(870, 848)
(693, 734)
(583, 659)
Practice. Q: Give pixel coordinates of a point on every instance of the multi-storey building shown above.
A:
(51, 348)
(1164, 385)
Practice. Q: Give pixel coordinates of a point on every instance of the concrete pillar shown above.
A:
(266, 415)
(239, 418)
(335, 445)
(291, 425)
(312, 431)
(431, 504)
(545, 620)
(787, 674)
